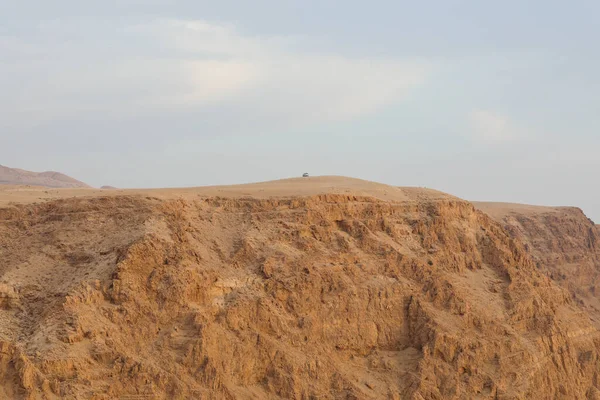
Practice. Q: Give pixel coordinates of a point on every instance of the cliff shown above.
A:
(563, 242)
(328, 295)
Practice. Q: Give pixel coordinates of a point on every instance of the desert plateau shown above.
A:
(299, 200)
(304, 288)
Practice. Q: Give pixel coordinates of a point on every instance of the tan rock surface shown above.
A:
(564, 243)
(315, 288)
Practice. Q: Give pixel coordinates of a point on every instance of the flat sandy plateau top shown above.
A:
(285, 188)
(500, 210)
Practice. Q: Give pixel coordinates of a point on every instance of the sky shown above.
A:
(485, 100)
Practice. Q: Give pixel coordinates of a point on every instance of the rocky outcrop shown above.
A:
(328, 296)
(565, 246)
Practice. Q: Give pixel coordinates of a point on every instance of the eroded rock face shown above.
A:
(328, 296)
(565, 246)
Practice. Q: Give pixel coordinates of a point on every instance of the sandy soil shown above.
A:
(500, 210)
(285, 188)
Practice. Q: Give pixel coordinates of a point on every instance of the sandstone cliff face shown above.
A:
(321, 297)
(565, 246)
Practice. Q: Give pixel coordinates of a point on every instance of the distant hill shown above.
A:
(15, 176)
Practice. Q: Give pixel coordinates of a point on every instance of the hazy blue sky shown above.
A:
(485, 100)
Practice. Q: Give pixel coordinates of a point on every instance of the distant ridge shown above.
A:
(16, 176)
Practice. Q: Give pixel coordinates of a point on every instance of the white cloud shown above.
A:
(193, 37)
(175, 64)
(491, 127)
